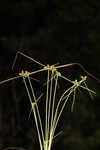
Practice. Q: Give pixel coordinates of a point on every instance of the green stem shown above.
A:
(49, 109)
(4, 81)
(36, 108)
(46, 114)
(55, 88)
(34, 112)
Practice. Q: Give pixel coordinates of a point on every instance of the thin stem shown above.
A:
(52, 77)
(71, 64)
(52, 129)
(55, 88)
(73, 88)
(37, 71)
(72, 108)
(46, 117)
(63, 66)
(66, 79)
(36, 108)
(4, 81)
(52, 114)
(86, 88)
(57, 118)
(35, 103)
(34, 112)
(49, 109)
(30, 58)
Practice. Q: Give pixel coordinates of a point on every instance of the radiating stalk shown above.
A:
(53, 103)
(52, 129)
(10, 79)
(46, 113)
(37, 71)
(57, 117)
(30, 58)
(72, 89)
(62, 109)
(34, 112)
(36, 108)
(66, 79)
(50, 96)
(61, 98)
(88, 90)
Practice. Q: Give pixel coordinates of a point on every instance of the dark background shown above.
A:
(51, 32)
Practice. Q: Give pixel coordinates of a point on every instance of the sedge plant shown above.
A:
(54, 105)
